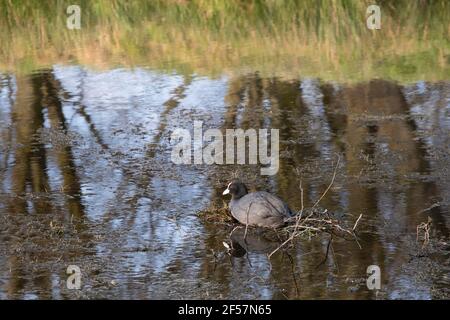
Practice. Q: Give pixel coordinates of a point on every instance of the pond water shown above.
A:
(86, 179)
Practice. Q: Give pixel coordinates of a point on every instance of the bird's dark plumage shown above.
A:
(257, 208)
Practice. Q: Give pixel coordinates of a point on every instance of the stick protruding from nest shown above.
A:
(316, 220)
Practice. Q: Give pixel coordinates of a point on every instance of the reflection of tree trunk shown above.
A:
(30, 159)
(370, 125)
(6, 134)
(22, 118)
(287, 109)
(169, 105)
(381, 104)
(71, 184)
(233, 99)
(38, 154)
(81, 110)
(379, 109)
(335, 113)
(379, 135)
(17, 280)
(30, 168)
(144, 179)
(253, 114)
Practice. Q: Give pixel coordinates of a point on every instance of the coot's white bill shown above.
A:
(227, 190)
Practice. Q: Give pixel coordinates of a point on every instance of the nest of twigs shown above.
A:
(314, 220)
(217, 214)
(308, 222)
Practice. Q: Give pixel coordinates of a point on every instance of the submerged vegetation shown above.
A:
(327, 39)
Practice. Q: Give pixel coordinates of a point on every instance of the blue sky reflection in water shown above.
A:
(86, 179)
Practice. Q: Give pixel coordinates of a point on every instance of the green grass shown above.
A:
(322, 38)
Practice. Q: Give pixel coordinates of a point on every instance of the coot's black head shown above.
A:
(236, 188)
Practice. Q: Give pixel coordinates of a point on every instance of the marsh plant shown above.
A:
(339, 40)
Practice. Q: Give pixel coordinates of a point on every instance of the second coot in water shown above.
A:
(260, 208)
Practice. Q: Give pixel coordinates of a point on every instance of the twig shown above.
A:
(298, 218)
(331, 183)
(357, 242)
(279, 247)
(301, 194)
(309, 224)
(297, 291)
(356, 223)
(425, 226)
(326, 254)
(434, 205)
(316, 222)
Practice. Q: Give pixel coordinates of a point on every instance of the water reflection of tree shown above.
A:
(368, 124)
(371, 127)
(36, 98)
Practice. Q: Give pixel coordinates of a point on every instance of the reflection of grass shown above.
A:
(291, 38)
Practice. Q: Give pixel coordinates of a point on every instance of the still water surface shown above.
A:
(86, 179)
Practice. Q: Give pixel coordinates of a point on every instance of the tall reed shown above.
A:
(326, 38)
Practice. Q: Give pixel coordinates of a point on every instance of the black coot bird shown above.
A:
(260, 208)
